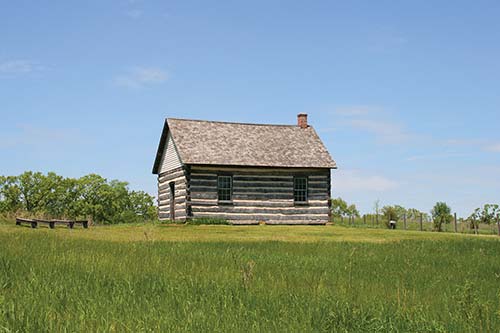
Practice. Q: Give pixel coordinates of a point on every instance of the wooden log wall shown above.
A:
(178, 176)
(260, 194)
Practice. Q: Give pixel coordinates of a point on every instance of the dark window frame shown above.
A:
(304, 192)
(225, 199)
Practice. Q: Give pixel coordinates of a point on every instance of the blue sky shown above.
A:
(405, 94)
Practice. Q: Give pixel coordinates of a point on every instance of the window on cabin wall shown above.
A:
(300, 189)
(224, 188)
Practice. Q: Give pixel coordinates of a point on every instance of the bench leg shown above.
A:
(51, 225)
(71, 224)
(18, 223)
(34, 225)
(85, 225)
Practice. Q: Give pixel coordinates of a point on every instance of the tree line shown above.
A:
(440, 214)
(34, 194)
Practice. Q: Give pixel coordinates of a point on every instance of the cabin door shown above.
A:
(172, 201)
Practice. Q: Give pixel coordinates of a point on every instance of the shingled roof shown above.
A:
(239, 144)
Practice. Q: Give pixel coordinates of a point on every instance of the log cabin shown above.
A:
(243, 173)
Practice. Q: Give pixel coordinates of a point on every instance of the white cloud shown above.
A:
(374, 120)
(495, 148)
(20, 67)
(140, 77)
(438, 156)
(385, 131)
(355, 181)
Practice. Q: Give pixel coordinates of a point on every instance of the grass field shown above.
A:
(258, 278)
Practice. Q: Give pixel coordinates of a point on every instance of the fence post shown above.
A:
(364, 219)
(404, 219)
(456, 227)
(376, 217)
(498, 224)
(421, 222)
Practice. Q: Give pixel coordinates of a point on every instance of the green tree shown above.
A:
(489, 213)
(342, 208)
(92, 197)
(441, 213)
(474, 219)
(352, 210)
(414, 214)
(400, 211)
(142, 204)
(32, 190)
(54, 196)
(10, 195)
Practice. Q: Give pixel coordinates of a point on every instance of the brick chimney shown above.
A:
(302, 120)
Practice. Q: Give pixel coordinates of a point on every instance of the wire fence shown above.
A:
(420, 223)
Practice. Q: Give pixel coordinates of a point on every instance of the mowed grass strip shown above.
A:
(216, 233)
(246, 279)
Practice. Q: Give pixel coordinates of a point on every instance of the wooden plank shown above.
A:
(203, 203)
(180, 182)
(244, 222)
(317, 178)
(317, 191)
(264, 190)
(174, 174)
(318, 196)
(203, 195)
(195, 188)
(260, 210)
(163, 198)
(318, 186)
(166, 204)
(278, 203)
(270, 184)
(202, 183)
(262, 216)
(262, 196)
(262, 178)
(177, 189)
(195, 173)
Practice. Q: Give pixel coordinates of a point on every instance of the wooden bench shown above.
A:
(52, 223)
(71, 223)
(20, 221)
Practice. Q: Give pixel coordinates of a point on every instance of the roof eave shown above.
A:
(258, 166)
(161, 147)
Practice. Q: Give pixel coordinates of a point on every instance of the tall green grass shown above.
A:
(49, 283)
